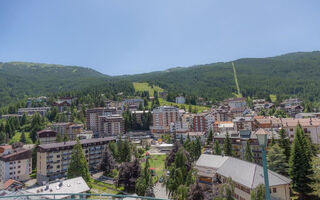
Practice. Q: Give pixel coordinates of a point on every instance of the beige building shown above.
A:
(53, 159)
(213, 170)
(70, 129)
(92, 117)
(112, 125)
(15, 164)
(47, 136)
(162, 118)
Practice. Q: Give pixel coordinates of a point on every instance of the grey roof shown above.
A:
(242, 172)
(249, 174)
(74, 185)
(212, 161)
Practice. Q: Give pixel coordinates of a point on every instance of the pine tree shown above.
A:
(23, 120)
(78, 165)
(273, 141)
(227, 190)
(34, 154)
(277, 160)
(36, 126)
(144, 181)
(315, 185)
(23, 138)
(258, 193)
(248, 153)
(227, 146)
(284, 143)
(210, 137)
(299, 164)
(197, 149)
(196, 192)
(65, 138)
(216, 148)
(59, 138)
(108, 162)
(2, 137)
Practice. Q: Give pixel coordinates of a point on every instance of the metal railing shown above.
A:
(73, 196)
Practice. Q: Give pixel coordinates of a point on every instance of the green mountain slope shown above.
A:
(294, 74)
(19, 80)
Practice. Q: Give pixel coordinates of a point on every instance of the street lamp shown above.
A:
(262, 136)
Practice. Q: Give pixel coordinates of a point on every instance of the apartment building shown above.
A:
(162, 118)
(213, 170)
(202, 122)
(243, 123)
(47, 136)
(30, 111)
(112, 125)
(222, 113)
(53, 159)
(70, 129)
(92, 117)
(133, 103)
(15, 163)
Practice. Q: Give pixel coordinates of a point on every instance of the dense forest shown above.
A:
(295, 74)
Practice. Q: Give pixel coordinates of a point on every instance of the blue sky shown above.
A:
(135, 36)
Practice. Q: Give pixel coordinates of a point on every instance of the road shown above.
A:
(160, 191)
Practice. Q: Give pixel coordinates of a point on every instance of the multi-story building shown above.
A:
(47, 136)
(112, 125)
(133, 103)
(222, 113)
(292, 106)
(92, 117)
(223, 126)
(162, 118)
(53, 159)
(70, 129)
(30, 111)
(15, 163)
(243, 123)
(139, 115)
(61, 105)
(213, 170)
(202, 122)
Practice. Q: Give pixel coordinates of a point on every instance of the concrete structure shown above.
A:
(180, 100)
(15, 164)
(112, 125)
(223, 126)
(222, 113)
(70, 129)
(30, 111)
(133, 103)
(307, 115)
(243, 123)
(202, 122)
(213, 170)
(192, 136)
(47, 136)
(53, 159)
(162, 118)
(92, 117)
(74, 185)
(12, 185)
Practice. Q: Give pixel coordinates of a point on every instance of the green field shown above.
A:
(183, 106)
(103, 188)
(273, 98)
(157, 162)
(17, 135)
(146, 87)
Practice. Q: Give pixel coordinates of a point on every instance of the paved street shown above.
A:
(160, 191)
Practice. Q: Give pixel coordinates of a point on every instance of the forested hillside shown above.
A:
(19, 80)
(295, 74)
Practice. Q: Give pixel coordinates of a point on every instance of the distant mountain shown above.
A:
(294, 74)
(20, 79)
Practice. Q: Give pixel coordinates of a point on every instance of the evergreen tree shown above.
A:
(284, 143)
(108, 162)
(36, 126)
(227, 146)
(248, 153)
(197, 149)
(2, 137)
(59, 138)
(78, 165)
(34, 154)
(277, 160)
(23, 120)
(299, 164)
(273, 141)
(65, 138)
(315, 177)
(129, 172)
(23, 138)
(145, 180)
(258, 193)
(196, 192)
(227, 190)
(216, 148)
(210, 137)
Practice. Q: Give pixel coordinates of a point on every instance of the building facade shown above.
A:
(53, 159)
(92, 117)
(162, 118)
(47, 136)
(112, 125)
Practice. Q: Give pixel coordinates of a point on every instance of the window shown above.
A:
(19, 161)
(18, 172)
(274, 190)
(19, 167)
(291, 129)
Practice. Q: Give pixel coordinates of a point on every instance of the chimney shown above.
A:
(61, 183)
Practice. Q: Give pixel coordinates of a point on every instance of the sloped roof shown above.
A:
(242, 172)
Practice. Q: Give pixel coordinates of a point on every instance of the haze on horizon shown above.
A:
(128, 37)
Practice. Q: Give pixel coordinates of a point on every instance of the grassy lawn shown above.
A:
(101, 187)
(145, 87)
(273, 98)
(17, 135)
(157, 162)
(181, 106)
